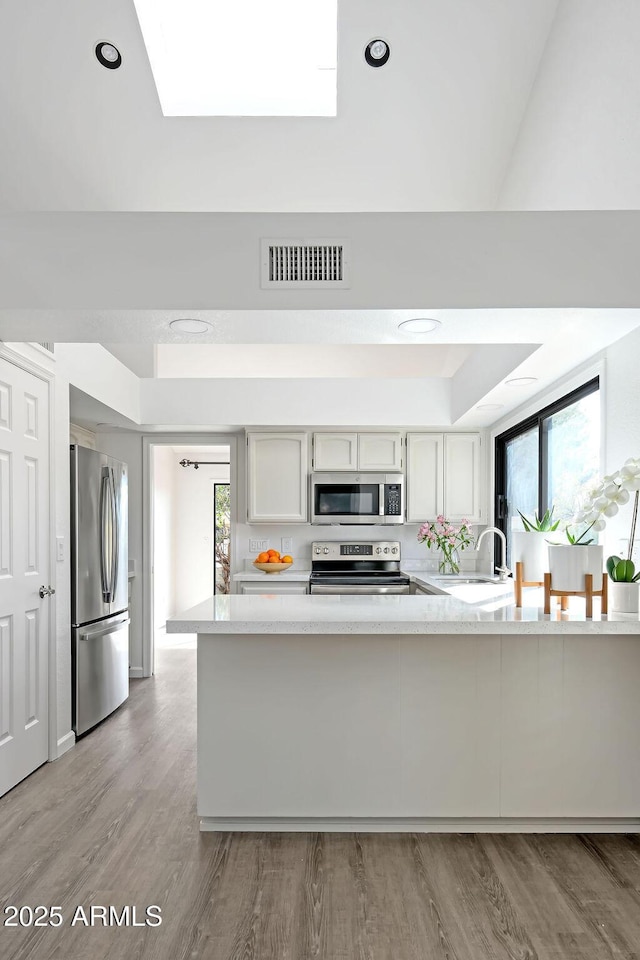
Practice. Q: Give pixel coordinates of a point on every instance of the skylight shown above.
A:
(242, 58)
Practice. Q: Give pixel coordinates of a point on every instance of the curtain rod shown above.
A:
(196, 463)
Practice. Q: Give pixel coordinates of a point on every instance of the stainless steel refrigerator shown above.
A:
(99, 586)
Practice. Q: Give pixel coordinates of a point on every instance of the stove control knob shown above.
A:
(317, 549)
(378, 549)
(386, 549)
(326, 550)
(394, 550)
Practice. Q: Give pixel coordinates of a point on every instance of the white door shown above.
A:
(24, 568)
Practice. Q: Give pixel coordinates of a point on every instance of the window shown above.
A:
(222, 537)
(549, 460)
(244, 58)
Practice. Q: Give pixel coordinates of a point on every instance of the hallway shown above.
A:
(114, 823)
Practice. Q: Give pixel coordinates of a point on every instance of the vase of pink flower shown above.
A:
(447, 537)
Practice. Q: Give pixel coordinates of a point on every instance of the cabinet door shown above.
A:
(335, 451)
(425, 476)
(379, 451)
(268, 586)
(277, 478)
(462, 477)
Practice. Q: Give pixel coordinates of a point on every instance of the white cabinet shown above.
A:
(357, 451)
(462, 478)
(379, 451)
(425, 476)
(271, 584)
(444, 477)
(277, 466)
(335, 451)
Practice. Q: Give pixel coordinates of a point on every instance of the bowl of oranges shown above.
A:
(270, 561)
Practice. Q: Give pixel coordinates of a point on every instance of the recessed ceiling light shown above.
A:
(419, 325)
(190, 325)
(521, 381)
(108, 55)
(490, 406)
(377, 53)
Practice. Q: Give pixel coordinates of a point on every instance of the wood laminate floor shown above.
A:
(114, 823)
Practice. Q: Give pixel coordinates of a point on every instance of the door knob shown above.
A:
(46, 592)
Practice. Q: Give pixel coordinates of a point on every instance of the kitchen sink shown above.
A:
(460, 580)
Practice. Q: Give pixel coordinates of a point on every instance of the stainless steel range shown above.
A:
(371, 566)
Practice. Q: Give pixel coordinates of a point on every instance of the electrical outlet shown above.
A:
(258, 546)
(287, 546)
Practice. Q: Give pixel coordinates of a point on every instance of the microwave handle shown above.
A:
(381, 503)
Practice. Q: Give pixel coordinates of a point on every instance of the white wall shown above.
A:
(61, 478)
(95, 371)
(622, 440)
(194, 528)
(164, 546)
(178, 261)
(580, 137)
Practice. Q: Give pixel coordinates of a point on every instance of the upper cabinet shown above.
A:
(425, 476)
(277, 467)
(462, 477)
(444, 477)
(335, 451)
(379, 451)
(357, 451)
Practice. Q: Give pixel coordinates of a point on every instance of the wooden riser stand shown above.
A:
(588, 593)
(519, 582)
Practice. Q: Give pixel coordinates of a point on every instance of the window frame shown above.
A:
(534, 421)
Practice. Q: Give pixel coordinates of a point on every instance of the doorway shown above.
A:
(191, 530)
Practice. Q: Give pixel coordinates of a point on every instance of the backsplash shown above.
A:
(413, 553)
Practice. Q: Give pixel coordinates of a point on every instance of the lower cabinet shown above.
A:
(268, 586)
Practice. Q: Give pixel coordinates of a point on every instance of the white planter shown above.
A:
(623, 597)
(531, 549)
(569, 564)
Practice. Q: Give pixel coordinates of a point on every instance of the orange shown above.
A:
(286, 559)
(273, 553)
(263, 557)
(274, 560)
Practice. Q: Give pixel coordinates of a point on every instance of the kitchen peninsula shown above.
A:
(414, 713)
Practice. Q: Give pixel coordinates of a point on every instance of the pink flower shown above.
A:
(441, 519)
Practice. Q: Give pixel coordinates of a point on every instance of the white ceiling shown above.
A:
(433, 130)
(484, 104)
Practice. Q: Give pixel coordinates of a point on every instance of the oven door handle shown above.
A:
(358, 589)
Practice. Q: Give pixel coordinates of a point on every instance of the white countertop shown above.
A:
(264, 614)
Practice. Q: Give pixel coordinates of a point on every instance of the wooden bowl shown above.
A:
(271, 567)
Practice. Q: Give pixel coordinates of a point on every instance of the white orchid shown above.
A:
(605, 498)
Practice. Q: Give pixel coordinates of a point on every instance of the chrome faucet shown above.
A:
(503, 569)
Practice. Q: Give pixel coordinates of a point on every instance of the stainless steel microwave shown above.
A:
(352, 498)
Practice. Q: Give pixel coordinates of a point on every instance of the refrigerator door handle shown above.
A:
(92, 635)
(115, 536)
(105, 491)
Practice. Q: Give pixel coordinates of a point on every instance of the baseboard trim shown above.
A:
(65, 743)
(420, 825)
(135, 673)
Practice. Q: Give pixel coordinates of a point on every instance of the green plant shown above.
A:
(579, 541)
(537, 525)
(622, 571)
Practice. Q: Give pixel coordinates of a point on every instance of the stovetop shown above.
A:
(360, 562)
